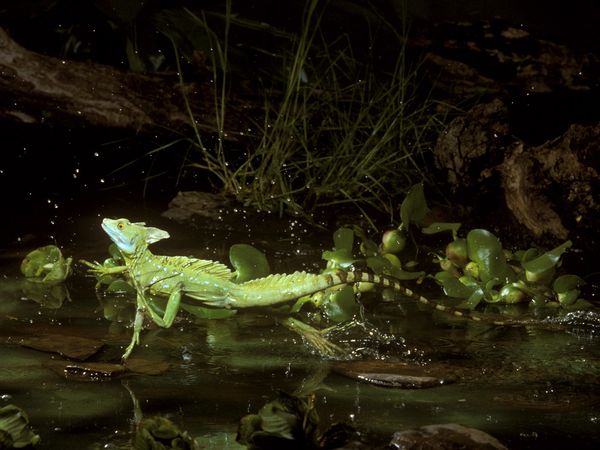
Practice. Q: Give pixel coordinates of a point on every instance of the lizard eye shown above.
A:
(120, 225)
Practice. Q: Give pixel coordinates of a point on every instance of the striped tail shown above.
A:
(281, 288)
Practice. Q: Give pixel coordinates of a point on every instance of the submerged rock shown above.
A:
(444, 437)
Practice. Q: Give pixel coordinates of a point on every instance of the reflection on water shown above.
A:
(528, 388)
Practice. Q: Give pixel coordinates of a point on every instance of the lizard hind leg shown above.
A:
(314, 337)
(135, 338)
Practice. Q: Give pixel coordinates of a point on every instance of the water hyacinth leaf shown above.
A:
(511, 293)
(473, 300)
(439, 227)
(541, 268)
(339, 258)
(368, 248)
(46, 265)
(393, 259)
(569, 297)
(286, 422)
(160, 433)
(456, 251)
(249, 262)
(51, 296)
(379, 264)
(340, 305)
(453, 287)
(565, 283)
(343, 238)
(486, 251)
(14, 428)
(414, 207)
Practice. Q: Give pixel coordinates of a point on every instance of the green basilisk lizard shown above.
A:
(211, 283)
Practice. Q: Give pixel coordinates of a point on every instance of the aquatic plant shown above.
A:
(14, 428)
(477, 268)
(46, 265)
(286, 422)
(336, 130)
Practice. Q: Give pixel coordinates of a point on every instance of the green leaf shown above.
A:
(439, 227)
(343, 238)
(453, 287)
(486, 251)
(341, 305)
(369, 248)
(414, 207)
(339, 258)
(473, 300)
(46, 265)
(379, 264)
(566, 283)
(541, 269)
(14, 424)
(249, 262)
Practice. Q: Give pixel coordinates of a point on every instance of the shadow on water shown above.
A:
(528, 388)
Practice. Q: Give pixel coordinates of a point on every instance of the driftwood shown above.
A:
(35, 88)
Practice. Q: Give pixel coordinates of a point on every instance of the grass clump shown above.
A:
(336, 129)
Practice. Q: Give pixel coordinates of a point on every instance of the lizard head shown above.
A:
(132, 236)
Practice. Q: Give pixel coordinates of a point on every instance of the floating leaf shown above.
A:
(541, 269)
(379, 264)
(566, 283)
(286, 422)
(439, 227)
(340, 305)
(369, 248)
(339, 258)
(46, 265)
(14, 428)
(343, 238)
(453, 287)
(486, 251)
(48, 295)
(414, 207)
(156, 433)
(249, 262)
(511, 293)
(457, 252)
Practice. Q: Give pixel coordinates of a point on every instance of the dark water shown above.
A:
(528, 388)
